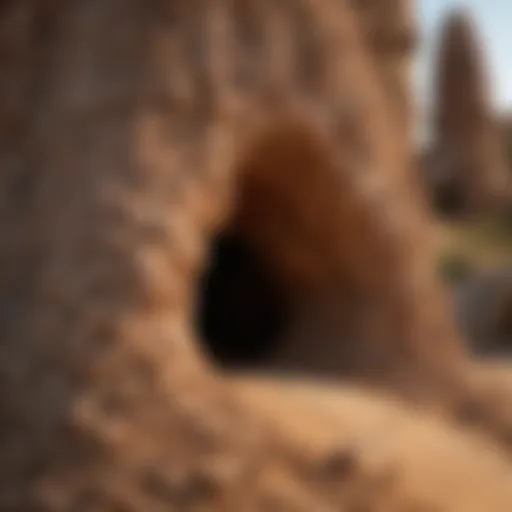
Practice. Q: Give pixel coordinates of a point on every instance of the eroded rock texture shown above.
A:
(390, 32)
(132, 132)
(466, 170)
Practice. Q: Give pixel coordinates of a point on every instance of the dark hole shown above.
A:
(242, 313)
(450, 200)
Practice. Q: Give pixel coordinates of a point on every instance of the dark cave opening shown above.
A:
(450, 199)
(242, 312)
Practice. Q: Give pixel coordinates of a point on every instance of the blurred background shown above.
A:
(456, 111)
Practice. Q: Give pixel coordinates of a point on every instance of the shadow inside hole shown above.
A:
(242, 313)
(450, 199)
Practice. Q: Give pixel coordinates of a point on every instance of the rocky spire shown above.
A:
(467, 155)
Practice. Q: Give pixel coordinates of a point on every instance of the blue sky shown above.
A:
(494, 22)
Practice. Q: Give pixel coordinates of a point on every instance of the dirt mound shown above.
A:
(390, 33)
(133, 133)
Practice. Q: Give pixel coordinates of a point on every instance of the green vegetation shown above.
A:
(468, 248)
(455, 267)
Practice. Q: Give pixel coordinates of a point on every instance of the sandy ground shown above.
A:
(455, 470)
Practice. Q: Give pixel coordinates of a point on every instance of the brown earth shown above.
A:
(390, 33)
(411, 452)
(133, 131)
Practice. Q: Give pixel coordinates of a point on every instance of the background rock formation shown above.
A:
(132, 133)
(506, 133)
(466, 169)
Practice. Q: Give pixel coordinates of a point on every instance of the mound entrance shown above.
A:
(284, 282)
(242, 311)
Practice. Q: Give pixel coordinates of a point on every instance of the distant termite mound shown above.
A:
(466, 171)
(506, 137)
(138, 135)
